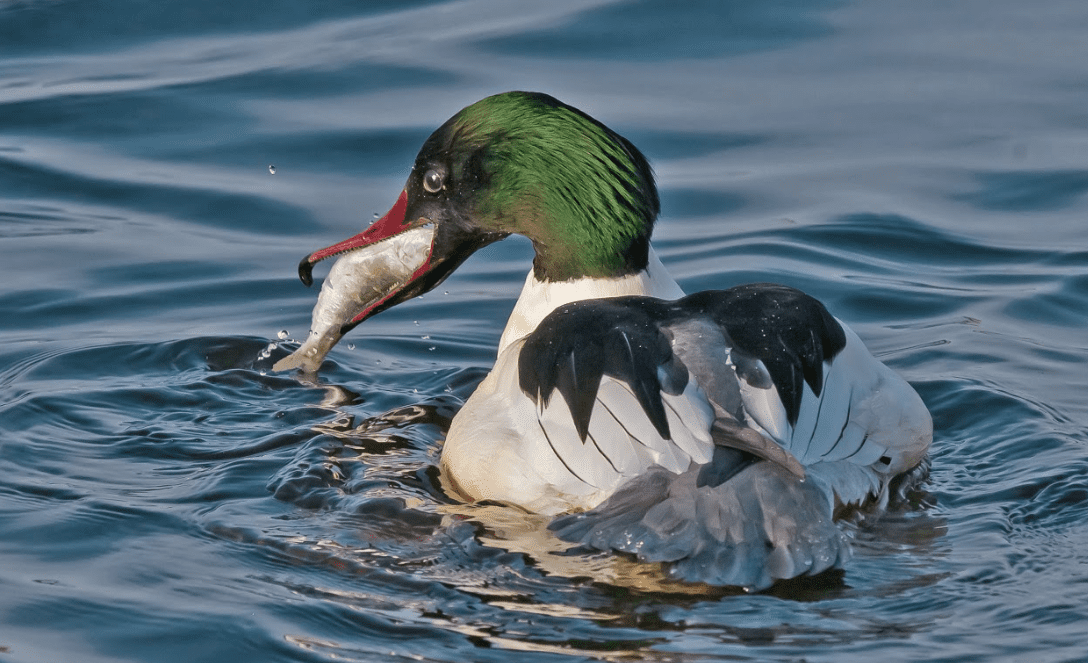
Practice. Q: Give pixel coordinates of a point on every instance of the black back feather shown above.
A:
(791, 333)
(580, 342)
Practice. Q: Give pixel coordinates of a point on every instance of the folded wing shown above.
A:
(736, 424)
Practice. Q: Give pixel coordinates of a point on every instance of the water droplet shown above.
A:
(283, 334)
(446, 293)
(415, 322)
(271, 169)
(431, 349)
(426, 337)
(351, 346)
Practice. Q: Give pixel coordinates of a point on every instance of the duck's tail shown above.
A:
(739, 521)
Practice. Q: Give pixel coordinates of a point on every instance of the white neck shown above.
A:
(539, 298)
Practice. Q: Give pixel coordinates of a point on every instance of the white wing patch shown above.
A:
(866, 425)
(622, 442)
(690, 417)
(764, 408)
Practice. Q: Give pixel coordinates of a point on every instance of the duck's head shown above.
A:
(524, 163)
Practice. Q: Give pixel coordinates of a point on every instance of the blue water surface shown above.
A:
(920, 167)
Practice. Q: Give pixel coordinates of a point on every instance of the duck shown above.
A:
(726, 435)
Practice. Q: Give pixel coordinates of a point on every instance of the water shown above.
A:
(920, 167)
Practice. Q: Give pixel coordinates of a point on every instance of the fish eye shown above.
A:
(433, 181)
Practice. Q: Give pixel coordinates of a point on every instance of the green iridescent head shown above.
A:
(526, 163)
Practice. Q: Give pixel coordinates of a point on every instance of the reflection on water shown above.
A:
(165, 496)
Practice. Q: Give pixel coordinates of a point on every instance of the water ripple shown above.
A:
(164, 497)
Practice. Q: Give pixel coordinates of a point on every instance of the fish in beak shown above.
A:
(407, 252)
(376, 269)
(447, 210)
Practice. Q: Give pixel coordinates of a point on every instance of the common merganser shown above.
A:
(720, 433)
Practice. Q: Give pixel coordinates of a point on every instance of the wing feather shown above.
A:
(621, 403)
(720, 433)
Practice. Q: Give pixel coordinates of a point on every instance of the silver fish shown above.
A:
(359, 281)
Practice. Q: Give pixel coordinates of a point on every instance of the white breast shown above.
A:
(501, 446)
(539, 298)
